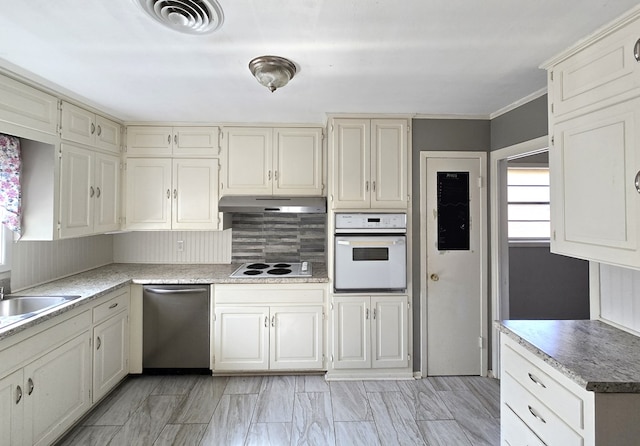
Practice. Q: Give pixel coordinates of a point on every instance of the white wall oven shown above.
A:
(370, 253)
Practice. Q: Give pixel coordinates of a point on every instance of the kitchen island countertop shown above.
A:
(597, 356)
(100, 281)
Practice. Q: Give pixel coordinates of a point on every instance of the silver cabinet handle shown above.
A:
(18, 394)
(266, 321)
(275, 174)
(99, 130)
(637, 182)
(366, 314)
(169, 139)
(175, 139)
(98, 343)
(92, 192)
(533, 412)
(98, 192)
(273, 321)
(374, 314)
(168, 194)
(535, 380)
(636, 50)
(175, 194)
(30, 386)
(112, 306)
(366, 186)
(269, 175)
(176, 291)
(374, 185)
(93, 128)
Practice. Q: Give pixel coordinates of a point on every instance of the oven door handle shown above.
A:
(370, 243)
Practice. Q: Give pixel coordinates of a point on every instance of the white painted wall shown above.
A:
(34, 263)
(162, 247)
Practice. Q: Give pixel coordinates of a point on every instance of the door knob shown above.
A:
(434, 277)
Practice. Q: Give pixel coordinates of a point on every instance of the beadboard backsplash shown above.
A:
(34, 263)
(620, 296)
(173, 247)
(275, 237)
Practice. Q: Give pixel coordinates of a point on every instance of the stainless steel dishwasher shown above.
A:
(175, 321)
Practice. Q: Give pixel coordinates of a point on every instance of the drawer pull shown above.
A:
(636, 50)
(112, 306)
(535, 380)
(18, 394)
(533, 412)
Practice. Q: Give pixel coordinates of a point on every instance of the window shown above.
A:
(528, 203)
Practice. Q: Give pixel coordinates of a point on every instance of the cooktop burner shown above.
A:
(293, 269)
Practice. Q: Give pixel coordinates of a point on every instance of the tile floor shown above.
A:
(293, 410)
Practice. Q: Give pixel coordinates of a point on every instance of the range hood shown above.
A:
(268, 203)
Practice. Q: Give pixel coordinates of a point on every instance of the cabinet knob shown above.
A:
(636, 50)
(175, 194)
(98, 343)
(99, 130)
(168, 194)
(169, 139)
(434, 277)
(18, 394)
(266, 321)
(175, 139)
(97, 192)
(92, 192)
(93, 128)
(30, 386)
(637, 182)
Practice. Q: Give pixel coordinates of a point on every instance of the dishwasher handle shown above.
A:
(176, 291)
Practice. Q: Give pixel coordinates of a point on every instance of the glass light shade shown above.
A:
(272, 71)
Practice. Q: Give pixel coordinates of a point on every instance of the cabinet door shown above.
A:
(107, 134)
(149, 141)
(248, 165)
(76, 191)
(390, 332)
(148, 194)
(11, 409)
(27, 107)
(296, 338)
(350, 163)
(351, 333)
(111, 353)
(389, 181)
(241, 338)
(298, 162)
(57, 390)
(78, 124)
(594, 203)
(107, 193)
(196, 141)
(195, 194)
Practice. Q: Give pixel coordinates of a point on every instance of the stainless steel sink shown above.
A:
(21, 305)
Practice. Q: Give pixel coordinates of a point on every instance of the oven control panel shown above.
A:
(371, 222)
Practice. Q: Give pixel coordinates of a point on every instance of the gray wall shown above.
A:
(543, 285)
(529, 121)
(436, 135)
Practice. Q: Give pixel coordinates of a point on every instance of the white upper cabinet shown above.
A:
(369, 163)
(177, 141)
(84, 127)
(27, 107)
(172, 194)
(89, 192)
(594, 157)
(273, 161)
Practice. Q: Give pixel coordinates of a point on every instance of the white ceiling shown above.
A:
(458, 57)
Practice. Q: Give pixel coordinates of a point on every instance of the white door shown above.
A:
(11, 409)
(389, 151)
(77, 191)
(298, 162)
(249, 161)
(195, 194)
(454, 271)
(148, 193)
(351, 332)
(389, 331)
(351, 163)
(241, 338)
(111, 352)
(296, 337)
(107, 193)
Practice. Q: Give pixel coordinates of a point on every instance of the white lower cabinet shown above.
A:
(11, 409)
(269, 327)
(370, 332)
(110, 344)
(541, 406)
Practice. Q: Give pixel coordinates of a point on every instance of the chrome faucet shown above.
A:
(1, 293)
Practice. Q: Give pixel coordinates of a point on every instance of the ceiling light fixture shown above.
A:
(272, 71)
(186, 16)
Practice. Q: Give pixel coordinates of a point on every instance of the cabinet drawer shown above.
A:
(110, 307)
(558, 398)
(270, 294)
(600, 71)
(515, 432)
(542, 421)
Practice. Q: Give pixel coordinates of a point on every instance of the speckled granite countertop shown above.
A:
(597, 356)
(100, 281)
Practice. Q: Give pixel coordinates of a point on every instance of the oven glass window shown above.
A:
(370, 254)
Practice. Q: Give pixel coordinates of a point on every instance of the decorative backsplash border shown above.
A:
(275, 237)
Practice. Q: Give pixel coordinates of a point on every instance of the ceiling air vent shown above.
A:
(186, 16)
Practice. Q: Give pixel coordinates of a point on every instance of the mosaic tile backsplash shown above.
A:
(279, 237)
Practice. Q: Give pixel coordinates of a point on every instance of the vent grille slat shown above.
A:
(187, 16)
